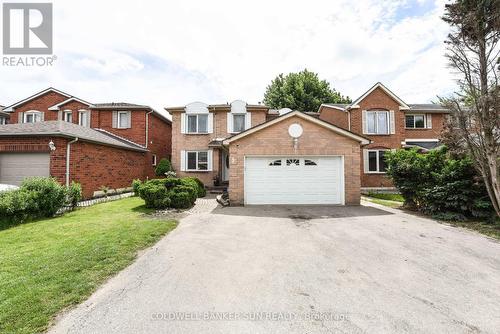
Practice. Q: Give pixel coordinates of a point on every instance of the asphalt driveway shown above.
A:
(302, 270)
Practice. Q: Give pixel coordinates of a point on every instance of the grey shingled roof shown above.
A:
(338, 105)
(114, 105)
(69, 130)
(427, 107)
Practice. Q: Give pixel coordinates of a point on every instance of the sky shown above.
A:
(171, 53)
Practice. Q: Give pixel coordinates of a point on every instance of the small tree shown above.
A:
(163, 166)
(302, 91)
(473, 52)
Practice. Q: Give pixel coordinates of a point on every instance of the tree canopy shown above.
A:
(302, 91)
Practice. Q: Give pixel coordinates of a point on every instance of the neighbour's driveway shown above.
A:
(353, 269)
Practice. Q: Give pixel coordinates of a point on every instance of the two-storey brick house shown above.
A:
(389, 123)
(98, 145)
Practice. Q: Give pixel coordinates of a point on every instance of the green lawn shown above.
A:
(48, 265)
(390, 200)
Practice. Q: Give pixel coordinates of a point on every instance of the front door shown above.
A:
(225, 166)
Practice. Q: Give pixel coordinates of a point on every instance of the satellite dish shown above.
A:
(295, 130)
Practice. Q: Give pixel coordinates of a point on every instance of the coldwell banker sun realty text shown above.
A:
(27, 34)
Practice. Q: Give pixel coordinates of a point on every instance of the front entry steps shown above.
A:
(217, 189)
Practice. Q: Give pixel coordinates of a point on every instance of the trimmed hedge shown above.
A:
(170, 192)
(163, 166)
(38, 197)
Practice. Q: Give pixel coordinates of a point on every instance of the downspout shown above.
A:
(68, 153)
(147, 127)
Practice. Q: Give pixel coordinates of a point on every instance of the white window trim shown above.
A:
(65, 115)
(376, 122)
(32, 112)
(3, 120)
(86, 112)
(244, 121)
(197, 124)
(122, 112)
(197, 161)
(414, 127)
(367, 169)
(154, 159)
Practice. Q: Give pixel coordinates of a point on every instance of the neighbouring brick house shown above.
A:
(265, 157)
(389, 123)
(109, 144)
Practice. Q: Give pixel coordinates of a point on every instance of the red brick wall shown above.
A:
(137, 133)
(92, 165)
(438, 121)
(74, 106)
(160, 142)
(334, 116)
(41, 103)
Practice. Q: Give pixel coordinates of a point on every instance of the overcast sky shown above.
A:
(166, 53)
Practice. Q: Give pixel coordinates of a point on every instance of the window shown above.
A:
(197, 123)
(415, 121)
(239, 123)
(197, 161)
(377, 122)
(308, 162)
(123, 119)
(68, 116)
(83, 118)
(275, 163)
(32, 117)
(292, 162)
(3, 120)
(376, 161)
(153, 160)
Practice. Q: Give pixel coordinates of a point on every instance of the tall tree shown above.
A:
(473, 52)
(302, 91)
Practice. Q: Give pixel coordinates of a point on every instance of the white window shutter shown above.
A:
(20, 117)
(89, 116)
(210, 159)
(183, 161)
(129, 118)
(429, 121)
(115, 120)
(363, 120)
(183, 123)
(392, 122)
(248, 120)
(59, 115)
(365, 160)
(42, 116)
(229, 122)
(210, 125)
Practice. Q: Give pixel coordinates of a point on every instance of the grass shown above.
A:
(48, 265)
(390, 200)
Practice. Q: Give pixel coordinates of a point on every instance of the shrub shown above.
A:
(135, 186)
(180, 200)
(16, 206)
(163, 167)
(73, 194)
(439, 185)
(50, 196)
(191, 190)
(201, 191)
(172, 182)
(154, 194)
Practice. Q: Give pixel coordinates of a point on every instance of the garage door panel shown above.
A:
(15, 167)
(302, 184)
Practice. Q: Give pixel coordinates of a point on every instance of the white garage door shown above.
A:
(294, 180)
(15, 167)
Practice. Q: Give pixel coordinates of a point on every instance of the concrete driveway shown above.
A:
(302, 270)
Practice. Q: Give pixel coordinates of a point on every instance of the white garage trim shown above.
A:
(340, 191)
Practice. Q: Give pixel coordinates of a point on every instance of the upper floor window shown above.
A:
(84, 118)
(239, 123)
(3, 120)
(375, 160)
(377, 122)
(197, 123)
(238, 119)
(415, 121)
(32, 117)
(123, 119)
(68, 116)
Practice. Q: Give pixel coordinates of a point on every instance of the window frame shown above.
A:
(197, 161)
(3, 120)
(87, 121)
(376, 112)
(244, 122)
(153, 162)
(118, 115)
(34, 114)
(65, 115)
(197, 132)
(377, 157)
(424, 116)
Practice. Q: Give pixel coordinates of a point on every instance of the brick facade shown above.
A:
(274, 140)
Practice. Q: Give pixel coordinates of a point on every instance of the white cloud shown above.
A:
(171, 53)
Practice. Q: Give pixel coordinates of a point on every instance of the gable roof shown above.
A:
(402, 104)
(69, 130)
(55, 107)
(34, 96)
(303, 115)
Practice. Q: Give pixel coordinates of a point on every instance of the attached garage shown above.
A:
(294, 180)
(15, 167)
(295, 159)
